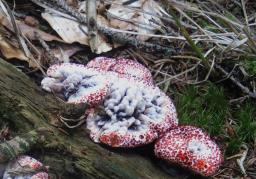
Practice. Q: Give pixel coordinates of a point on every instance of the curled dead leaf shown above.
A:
(9, 51)
(28, 31)
(71, 31)
(140, 16)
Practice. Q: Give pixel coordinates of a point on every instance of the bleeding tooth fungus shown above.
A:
(25, 167)
(127, 110)
(190, 147)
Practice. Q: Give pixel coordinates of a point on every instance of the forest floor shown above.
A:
(210, 73)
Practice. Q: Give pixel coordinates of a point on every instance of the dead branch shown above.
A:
(236, 82)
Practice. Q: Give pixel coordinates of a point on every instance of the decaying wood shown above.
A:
(18, 145)
(25, 107)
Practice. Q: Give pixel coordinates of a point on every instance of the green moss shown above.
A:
(204, 107)
(244, 127)
(207, 107)
(249, 63)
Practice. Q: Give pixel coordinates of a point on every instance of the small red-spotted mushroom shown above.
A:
(125, 68)
(25, 167)
(190, 147)
(133, 114)
(76, 84)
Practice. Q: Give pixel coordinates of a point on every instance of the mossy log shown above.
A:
(24, 107)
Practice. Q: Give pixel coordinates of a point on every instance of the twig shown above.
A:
(180, 74)
(239, 100)
(17, 31)
(21, 38)
(240, 161)
(78, 122)
(49, 53)
(236, 82)
(92, 24)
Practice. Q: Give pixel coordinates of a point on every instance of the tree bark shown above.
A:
(24, 107)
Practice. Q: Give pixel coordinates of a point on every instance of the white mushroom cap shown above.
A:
(76, 83)
(133, 114)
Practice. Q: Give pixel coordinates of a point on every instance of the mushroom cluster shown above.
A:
(126, 109)
(25, 167)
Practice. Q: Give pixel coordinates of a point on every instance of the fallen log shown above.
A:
(24, 107)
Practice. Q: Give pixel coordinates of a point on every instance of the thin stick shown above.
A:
(92, 24)
(236, 82)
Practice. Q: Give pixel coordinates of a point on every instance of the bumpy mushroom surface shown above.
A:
(125, 68)
(25, 167)
(133, 114)
(190, 147)
(102, 64)
(76, 84)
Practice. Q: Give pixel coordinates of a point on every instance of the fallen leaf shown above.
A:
(9, 51)
(133, 18)
(28, 31)
(70, 31)
(64, 52)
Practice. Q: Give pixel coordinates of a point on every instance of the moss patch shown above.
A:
(208, 107)
(244, 127)
(205, 107)
(249, 63)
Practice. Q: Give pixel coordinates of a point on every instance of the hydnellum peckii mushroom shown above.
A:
(127, 110)
(25, 167)
(190, 147)
(133, 114)
(76, 83)
(124, 68)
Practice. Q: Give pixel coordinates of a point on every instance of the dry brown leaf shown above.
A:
(64, 52)
(70, 31)
(131, 19)
(9, 51)
(28, 31)
(67, 29)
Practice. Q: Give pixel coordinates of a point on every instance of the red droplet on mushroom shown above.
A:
(133, 114)
(125, 68)
(25, 167)
(76, 84)
(190, 147)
